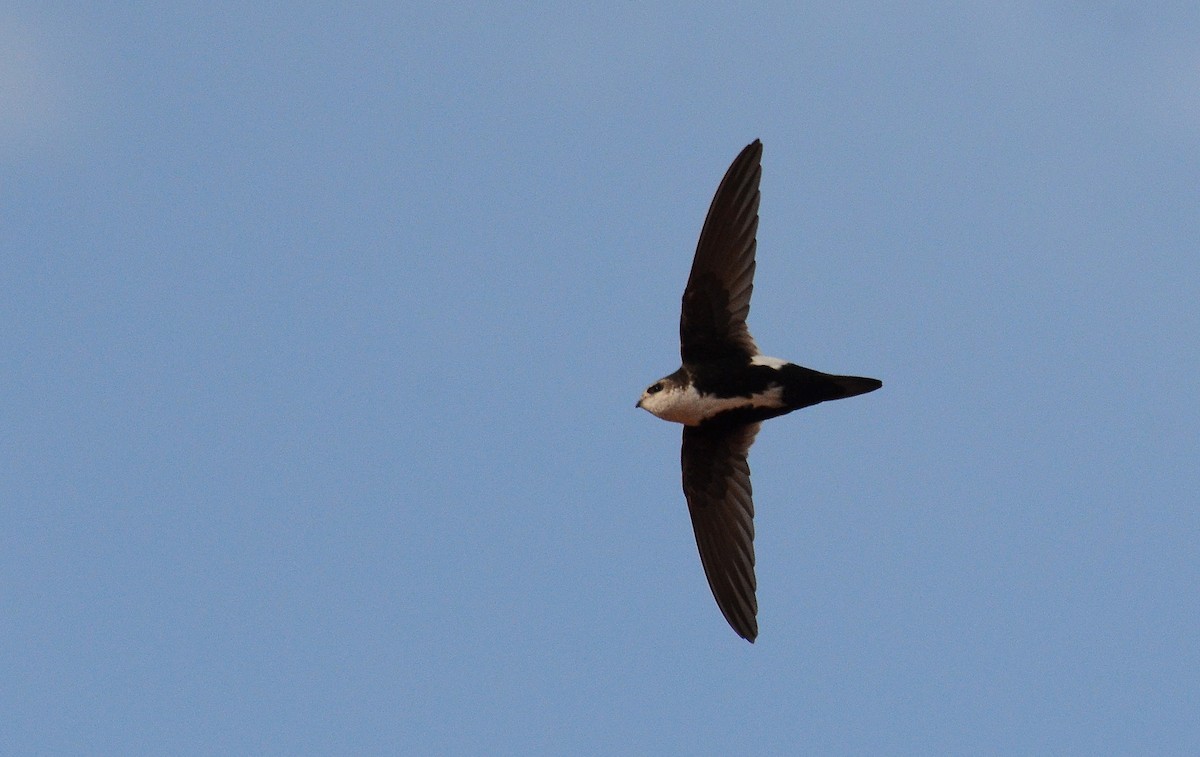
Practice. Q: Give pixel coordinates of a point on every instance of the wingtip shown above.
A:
(748, 629)
(753, 149)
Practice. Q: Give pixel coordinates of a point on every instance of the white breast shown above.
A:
(689, 407)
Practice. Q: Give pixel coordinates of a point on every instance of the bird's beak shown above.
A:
(639, 403)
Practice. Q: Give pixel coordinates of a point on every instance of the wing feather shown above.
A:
(716, 302)
(716, 482)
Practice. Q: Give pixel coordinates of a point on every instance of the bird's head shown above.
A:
(665, 396)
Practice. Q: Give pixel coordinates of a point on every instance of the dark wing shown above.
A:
(716, 301)
(716, 482)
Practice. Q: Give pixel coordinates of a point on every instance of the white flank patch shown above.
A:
(770, 362)
(689, 407)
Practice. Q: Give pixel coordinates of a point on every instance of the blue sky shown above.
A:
(323, 329)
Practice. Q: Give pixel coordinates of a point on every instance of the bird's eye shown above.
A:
(655, 389)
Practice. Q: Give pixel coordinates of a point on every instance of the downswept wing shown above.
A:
(716, 482)
(712, 327)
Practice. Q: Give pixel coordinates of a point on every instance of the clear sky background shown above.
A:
(323, 325)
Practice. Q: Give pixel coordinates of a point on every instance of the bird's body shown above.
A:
(726, 388)
(745, 392)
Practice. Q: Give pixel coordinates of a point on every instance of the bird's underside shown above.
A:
(725, 389)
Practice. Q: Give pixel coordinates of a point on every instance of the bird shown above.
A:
(726, 388)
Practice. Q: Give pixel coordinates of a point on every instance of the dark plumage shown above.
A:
(726, 388)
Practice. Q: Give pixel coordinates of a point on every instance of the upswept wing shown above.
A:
(712, 327)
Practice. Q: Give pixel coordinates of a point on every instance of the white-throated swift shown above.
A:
(726, 388)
